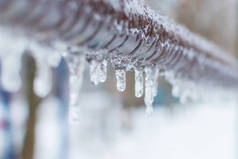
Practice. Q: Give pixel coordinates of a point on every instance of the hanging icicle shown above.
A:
(139, 83)
(98, 71)
(43, 80)
(76, 66)
(11, 59)
(151, 86)
(121, 79)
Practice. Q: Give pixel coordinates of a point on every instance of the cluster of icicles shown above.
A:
(98, 74)
(47, 58)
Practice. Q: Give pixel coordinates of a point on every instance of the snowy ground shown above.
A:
(197, 131)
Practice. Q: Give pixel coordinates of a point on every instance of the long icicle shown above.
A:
(98, 71)
(121, 79)
(76, 70)
(151, 84)
(139, 83)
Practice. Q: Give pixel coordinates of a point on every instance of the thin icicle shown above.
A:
(11, 79)
(76, 70)
(149, 97)
(121, 79)
(175, 91)
(139, 83)
(103, 70)
(156, 81)
(11, 59)
(54, 58)
(98, 71)
(151, 86)
(43, 79)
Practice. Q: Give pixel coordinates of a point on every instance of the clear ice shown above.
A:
(98, 71)
(139, 83)
(76, 70)
(151, 86)
(54, 58)
(43, 79)
(121, 79)
(11, 79)
(11, 59)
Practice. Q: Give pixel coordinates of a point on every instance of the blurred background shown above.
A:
(114, 125)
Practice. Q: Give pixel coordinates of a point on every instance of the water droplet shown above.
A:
(121, 79)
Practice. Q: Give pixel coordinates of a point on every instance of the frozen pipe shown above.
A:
(127, 33)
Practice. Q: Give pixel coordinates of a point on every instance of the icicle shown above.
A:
(74, 91)
(43, 79)
(76, 70)
(185, 96)
(54, 58)
(149, 97)
(121, 80)
(151, 86)
(11, 59)
(98, 71)
(11, 80)
(156, 81)
(175, 91)
(139, 83)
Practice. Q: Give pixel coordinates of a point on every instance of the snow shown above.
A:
(194, 131)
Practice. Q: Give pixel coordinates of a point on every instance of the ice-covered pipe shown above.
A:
(126, 33)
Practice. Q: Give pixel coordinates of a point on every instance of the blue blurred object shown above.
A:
(164, 96)
(61, 84)
(9, 150)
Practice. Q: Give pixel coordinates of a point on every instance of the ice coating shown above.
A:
(132, 37)
(132, 32)
(139, 8)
